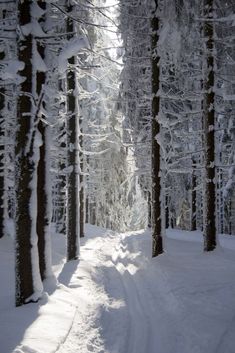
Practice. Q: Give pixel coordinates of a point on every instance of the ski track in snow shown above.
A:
(125, 313)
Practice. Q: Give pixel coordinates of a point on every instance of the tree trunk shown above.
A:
(209, 126)
(82, 189)
(2, 157)
(87, 210)
(60, 211)
(149, 209)
(167, 212)
(43, 197)
(2, 148)
(73, 157)
(157, 246)
(28, 282)
(194, 200)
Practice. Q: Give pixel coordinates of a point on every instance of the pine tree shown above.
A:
(43, 192)
(209, 126)
(81, 182)
(2, 155)
(73, 155)
(28, 282)
(157, 246)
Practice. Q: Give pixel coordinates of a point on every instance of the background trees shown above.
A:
(191, 92)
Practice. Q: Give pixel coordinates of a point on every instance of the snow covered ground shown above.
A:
(116, 299)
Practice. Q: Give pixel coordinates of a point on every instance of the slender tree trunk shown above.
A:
(157, 246)
(43, 197)
(2, 149)
(61, 186)
(2, 145)
(209, 126)
(167, 217)
(149, 209)
(28, 282)
(82, 189)
(87, 210)
(194, 200)
(2, 157)
(73, 157)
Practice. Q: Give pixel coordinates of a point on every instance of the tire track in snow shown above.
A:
(121, 270)
(160, 307)
(139, 336)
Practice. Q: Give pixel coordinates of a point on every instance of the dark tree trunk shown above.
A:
(209, 126)
(167, 217)
(60, 211)
(43, 199)
(26, 239)
(73, 157)
(82, 189)
(2, 150)
(194, 200)
(87, 210)
(149, 209)
(157, 246)
(2, 157)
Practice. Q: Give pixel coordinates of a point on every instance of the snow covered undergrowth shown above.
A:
(117, 299)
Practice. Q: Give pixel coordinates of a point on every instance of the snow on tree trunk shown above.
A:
(28, 281)
(43, 190)
(73, 156)
(157, 245)
(209, 126)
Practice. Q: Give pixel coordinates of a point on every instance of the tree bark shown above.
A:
(209, 126)
(28, 284)
(43, 198)
(82, 189)
(194, 200)
(2, 148)
(167, 216)
(2, 157)
(73, 157)
(157, 245)
(149, 208)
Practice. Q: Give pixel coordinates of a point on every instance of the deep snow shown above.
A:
(116, 299)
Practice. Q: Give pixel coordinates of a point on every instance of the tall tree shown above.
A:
(43, 191)
(2, 134)
(157, 245)
(209, 126)
(73, 155)
(28, 281)
(81, 181)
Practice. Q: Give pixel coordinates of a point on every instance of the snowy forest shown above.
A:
(117, 181)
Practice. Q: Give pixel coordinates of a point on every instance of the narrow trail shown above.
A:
(121, 310)
(124, 323)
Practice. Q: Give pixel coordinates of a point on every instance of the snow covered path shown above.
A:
(117, 299)
(182, 302)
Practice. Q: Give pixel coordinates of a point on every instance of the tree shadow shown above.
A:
(67, 273)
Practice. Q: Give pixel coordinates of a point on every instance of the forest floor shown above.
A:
(116, 299)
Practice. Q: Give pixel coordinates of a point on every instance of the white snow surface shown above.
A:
(117, 299)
